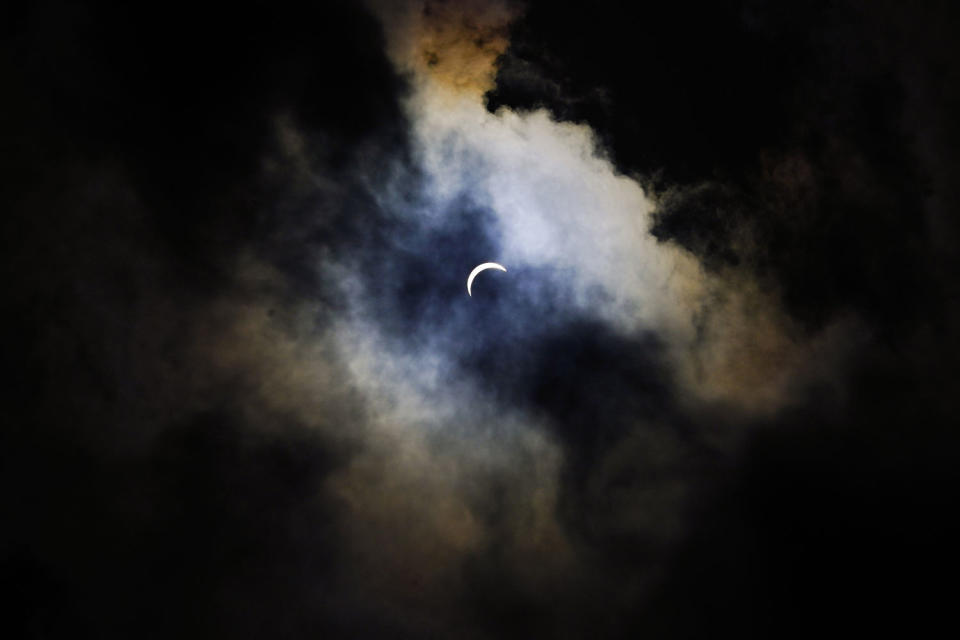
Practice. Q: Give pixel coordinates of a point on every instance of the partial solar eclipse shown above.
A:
(478, 269)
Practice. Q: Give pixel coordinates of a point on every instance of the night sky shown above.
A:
(714, 394)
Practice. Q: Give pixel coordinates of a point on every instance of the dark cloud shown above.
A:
(251, 397)
(784, 128)
(184, 100)
(684, 88)
(145, 497)
(788, 141)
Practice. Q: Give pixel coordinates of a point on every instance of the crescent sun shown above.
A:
(478, 269)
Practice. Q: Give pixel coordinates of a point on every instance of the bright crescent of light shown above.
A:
(478, 269)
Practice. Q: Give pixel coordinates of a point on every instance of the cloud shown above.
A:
(533, 426)
(261, 402)
(557, 206)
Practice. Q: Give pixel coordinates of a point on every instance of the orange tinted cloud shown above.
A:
(455, 44)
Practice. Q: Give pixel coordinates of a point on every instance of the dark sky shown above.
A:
(715, 392)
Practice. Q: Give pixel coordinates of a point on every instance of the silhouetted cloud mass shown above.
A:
(712, 394)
